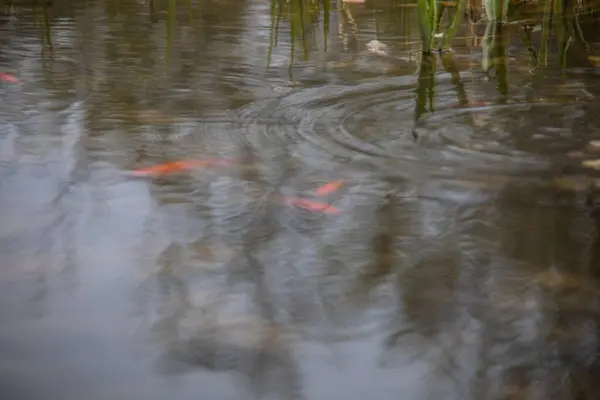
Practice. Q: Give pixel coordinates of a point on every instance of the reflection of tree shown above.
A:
(502, 298)
(198, 328)
(126, 66)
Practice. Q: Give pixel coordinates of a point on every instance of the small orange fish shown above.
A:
(8, 78)
(329, 188)
(179, 166)
(312, 205)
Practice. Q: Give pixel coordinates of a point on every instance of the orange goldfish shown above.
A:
(329, 188)
(312, 205)
(179, 166)
(8, 78)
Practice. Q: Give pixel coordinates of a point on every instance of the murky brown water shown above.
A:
(461, 263)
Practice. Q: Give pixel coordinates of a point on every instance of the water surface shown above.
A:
(462, 264)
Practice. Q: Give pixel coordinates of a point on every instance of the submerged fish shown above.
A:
(329, 188)
(310, 205)
(179, 166)
(8, 78)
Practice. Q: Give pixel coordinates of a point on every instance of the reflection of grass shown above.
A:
(494, 54)
(301, 15)
(426, 86)
(47, 31)
(171, 18)
(497, 10)
(559, 24)
(563, 21)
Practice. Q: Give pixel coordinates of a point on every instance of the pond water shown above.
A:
(358, 223)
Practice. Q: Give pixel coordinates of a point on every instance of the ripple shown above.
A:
(501, 133)
(321, 123)
(374, 121)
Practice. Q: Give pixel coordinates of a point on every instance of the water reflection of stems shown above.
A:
(494, 54)
(425, 86)
(300, 14)
(47, 26)
(450, 66)
(346, 15)
(47, 34)
(562, 19)
(530, 47)
(170, 26)
(496, 10)
(274, 30)
(563, 27)
(326, 17)
(190, 11)
(426, 83)
(546, 28)
(456, 21)
(565, 32)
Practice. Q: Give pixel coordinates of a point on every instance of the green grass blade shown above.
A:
(425, 24)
